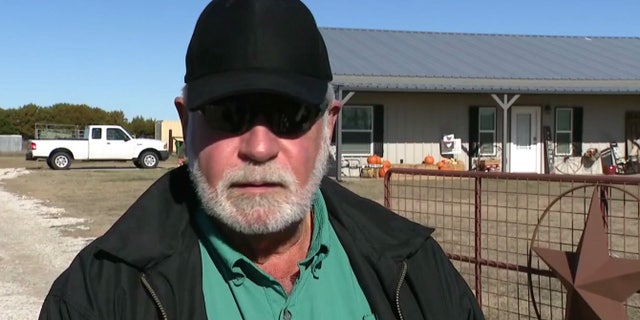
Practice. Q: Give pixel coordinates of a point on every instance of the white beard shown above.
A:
(266, 213)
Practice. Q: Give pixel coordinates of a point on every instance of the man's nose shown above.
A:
(259, 144)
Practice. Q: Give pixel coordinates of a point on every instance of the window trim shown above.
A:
(569, 131)
(371, 143)
(493, 132)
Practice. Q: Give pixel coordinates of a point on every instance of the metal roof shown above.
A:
(384, 60)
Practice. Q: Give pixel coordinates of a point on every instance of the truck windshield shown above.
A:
(128, 133)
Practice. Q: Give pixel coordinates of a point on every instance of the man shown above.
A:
(251, 229)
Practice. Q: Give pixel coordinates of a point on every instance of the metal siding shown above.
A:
(604, 122)
(486, 85)
(391, 133)
(414, 123)
(377, 56)
(431, 54)
(10, 143)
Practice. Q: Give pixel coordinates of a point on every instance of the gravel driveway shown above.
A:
(32, 250)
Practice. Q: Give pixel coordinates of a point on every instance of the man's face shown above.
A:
(258, 180)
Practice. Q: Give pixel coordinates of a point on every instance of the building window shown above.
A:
(487, 131)
(564, 131)
(357, 130)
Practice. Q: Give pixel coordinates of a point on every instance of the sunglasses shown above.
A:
(283, 116)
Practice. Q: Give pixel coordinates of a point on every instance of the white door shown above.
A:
(98, 144)
(119, 144)
(115, 144)
(525, 146)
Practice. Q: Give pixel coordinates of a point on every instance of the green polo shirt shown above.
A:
(235, 288)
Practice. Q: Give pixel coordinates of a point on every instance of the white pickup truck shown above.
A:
(99, 143)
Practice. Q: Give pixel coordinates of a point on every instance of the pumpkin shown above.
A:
(382, 172)
(374, 159)
(386, 164)
(429, 160)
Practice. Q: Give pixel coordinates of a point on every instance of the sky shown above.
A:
(129, 54)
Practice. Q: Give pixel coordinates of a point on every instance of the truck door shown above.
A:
(119, 144)
(114, 145)
(97, 144)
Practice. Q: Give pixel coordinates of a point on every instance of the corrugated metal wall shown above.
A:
(10, 143)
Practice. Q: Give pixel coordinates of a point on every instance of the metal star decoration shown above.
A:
(597, 285)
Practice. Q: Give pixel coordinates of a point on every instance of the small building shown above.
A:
(10, 143)
(170, 132)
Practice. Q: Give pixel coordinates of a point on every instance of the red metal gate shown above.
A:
(487, 223)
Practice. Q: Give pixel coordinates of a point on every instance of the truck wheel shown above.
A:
(59, 161)
(137, 164)
(148, 160)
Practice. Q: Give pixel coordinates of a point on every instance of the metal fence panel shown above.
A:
(10, 143)
(488, 222)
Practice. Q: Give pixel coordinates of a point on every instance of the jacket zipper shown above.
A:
(400, 282)
(154, 296)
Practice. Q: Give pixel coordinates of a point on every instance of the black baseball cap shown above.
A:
(256, 46)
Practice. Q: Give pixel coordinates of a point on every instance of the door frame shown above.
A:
(536, 112)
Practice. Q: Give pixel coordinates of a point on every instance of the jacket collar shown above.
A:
(160, 222)
(156, 225)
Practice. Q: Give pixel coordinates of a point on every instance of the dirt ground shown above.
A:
(47, 216)
(32, 251)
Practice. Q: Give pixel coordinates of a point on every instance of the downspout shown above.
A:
(505, 103)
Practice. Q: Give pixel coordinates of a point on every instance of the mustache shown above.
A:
(268, 173)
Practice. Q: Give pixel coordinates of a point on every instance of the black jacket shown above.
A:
(147, 266)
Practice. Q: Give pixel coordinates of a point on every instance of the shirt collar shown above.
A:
(319, 246)
(232, 260)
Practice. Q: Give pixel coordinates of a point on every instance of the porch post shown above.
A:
(505, 103)
(338, 132)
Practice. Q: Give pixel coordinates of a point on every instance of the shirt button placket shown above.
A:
(286, 315)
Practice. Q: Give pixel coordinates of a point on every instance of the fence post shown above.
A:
(604, 205)
(170, 144)
(387, 189)
(478, 238)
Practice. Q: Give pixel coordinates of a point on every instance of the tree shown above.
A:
(6, 125)
(141, 127)
(23, 120)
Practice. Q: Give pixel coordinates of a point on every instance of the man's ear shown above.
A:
(183, 113)
(334, 111)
